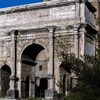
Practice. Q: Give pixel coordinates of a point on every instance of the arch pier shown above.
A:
(12, 91)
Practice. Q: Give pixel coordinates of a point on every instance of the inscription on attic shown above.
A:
(63, 12)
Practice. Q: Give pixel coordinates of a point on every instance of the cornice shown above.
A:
(35, 6)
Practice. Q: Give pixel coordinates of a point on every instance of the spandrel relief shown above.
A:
(5, 50)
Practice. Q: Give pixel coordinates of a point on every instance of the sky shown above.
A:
(10, 3)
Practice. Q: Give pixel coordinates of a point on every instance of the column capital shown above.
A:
(14, 78)
(14, 32)
(51, 29)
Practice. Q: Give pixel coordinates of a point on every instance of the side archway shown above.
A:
(5, 73)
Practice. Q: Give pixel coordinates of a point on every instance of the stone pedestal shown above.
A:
(13, 93)
(77, 42)
(50, 94)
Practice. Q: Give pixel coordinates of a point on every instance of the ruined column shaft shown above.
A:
(77, 43)
(13, 92)
(13, 53)
(51, 55)
(51, 30)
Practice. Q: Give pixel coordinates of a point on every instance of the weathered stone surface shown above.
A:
(34, 57)
(12, 94)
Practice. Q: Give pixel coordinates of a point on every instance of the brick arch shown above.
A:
(30, 52)
(29, 45)
(6, 68)
(5, 72)
(4, 63)
(28, 57)
(24, 78)
(43, 55)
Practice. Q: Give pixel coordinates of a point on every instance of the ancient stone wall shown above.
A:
(31, 52)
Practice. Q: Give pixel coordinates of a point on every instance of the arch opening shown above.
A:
(40, 89)
(28, 64)
(30, 53)
(5, 73)
(27, 87)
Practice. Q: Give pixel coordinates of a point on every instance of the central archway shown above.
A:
(30, 53)
(28, 63)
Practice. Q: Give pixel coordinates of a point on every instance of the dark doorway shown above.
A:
(5, 73)
(40, 90)
(43, 86)
(27, 87)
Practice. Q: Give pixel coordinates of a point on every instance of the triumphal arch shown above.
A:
(29, 65)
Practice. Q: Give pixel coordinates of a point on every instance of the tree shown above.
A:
(88, 86)
(87, 71)
(98, 38)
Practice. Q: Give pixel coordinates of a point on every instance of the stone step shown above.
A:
(21, 99)
(47, 99)
(8, 99)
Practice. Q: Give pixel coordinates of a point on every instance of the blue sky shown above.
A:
(9, 3)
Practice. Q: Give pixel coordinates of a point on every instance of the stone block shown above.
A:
(49, 94)
(12, 94)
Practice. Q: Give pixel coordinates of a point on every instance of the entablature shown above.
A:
(36, 6)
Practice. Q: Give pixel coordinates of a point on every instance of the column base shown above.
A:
(12, 94)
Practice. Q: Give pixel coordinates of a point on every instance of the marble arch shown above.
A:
(41, 23)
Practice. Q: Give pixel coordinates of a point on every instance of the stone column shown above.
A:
(83, 31)
(77, 42)
(77, 53)
(13, 92)
(50, 90)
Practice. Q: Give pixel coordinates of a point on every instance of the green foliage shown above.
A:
(74, 96)
(98, 46)
(88, 86)
(60, 83)
(33, 99)
(98, 21)
(37, 99)
(87, 71)
(98, 38)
